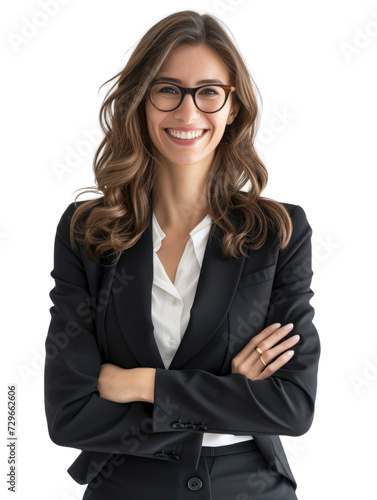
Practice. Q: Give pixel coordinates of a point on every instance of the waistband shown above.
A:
(228, 449)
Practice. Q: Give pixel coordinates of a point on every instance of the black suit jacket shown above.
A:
(102, 313)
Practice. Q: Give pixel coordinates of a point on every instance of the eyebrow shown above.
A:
(176, 80)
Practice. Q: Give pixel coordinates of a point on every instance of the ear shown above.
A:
(233, 113)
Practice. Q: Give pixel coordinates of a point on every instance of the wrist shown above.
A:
(146, 382)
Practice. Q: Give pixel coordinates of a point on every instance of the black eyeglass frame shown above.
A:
(192, 91)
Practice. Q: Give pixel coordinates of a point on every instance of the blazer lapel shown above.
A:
(132, 294)
(216, 286)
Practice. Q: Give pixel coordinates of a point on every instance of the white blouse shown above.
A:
(171, 303)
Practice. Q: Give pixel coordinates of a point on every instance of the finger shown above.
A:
(257, 363)
(276, 365)
(272, 353)
(270, 341)
(252, 366)
(253, 343)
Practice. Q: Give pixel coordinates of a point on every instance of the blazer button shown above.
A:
(194, 483)
(190, 426)
(162, 455)
(178, 425)
(201, 427)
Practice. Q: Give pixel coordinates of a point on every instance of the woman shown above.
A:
(178, 297)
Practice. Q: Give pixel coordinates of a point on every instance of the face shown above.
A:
(190, 66)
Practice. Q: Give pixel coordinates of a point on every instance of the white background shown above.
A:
(315, 66)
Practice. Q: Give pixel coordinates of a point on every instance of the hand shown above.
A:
(249, 361)
(122, 385)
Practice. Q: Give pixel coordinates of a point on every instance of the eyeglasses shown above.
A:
(207, 98)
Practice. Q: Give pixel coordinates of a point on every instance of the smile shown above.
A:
(178, 134)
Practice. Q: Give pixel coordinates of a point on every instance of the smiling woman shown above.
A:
(183, 289)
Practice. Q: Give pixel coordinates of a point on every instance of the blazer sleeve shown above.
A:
(76, 415)
(280, 405)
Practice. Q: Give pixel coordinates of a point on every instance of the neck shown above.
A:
(178, 196)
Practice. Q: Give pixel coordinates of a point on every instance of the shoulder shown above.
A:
(64, 224)
(65, 219)
(72, 207)
(297, 253)
(298, 217)
(63, 230)
(295, 212)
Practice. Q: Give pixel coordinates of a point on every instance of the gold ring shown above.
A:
(259, 351)
(260, 357)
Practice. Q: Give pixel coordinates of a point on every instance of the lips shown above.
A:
(185, 135)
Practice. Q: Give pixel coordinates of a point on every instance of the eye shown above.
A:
(209, 92)
(167, 89)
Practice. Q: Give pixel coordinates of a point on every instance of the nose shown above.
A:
(187, 112)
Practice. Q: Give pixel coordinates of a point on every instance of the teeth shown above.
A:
(185, 135)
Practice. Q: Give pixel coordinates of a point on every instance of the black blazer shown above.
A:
(102, 313)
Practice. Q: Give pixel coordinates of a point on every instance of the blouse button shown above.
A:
(174, 301)
(172, 342)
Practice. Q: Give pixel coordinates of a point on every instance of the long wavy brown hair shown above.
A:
(124, 164)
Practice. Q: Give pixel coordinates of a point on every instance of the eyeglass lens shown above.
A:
(166, 97)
